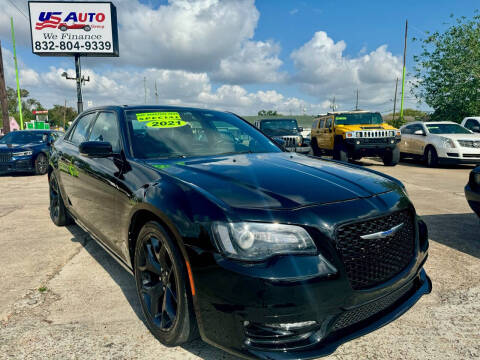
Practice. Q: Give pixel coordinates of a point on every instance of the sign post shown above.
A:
(74, 29)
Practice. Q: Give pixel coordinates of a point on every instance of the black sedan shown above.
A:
(472, 190)
(264, 253)
(26, 151)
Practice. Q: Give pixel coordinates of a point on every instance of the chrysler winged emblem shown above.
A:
(382, 234)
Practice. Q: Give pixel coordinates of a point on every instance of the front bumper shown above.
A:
(299, 149)
(19, 164)
(236, 303)
(371, 146)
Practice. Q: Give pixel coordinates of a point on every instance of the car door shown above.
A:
(406, 140)
(67, 153)
(418, 141)
(320, 134)
(329, 133)
(98, 181)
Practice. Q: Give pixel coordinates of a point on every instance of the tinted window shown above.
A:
(185, 133)
(416, 127)
(24, 137)
(471, 123)
(315, 124)
(279, 127)
(80, 132)
(322, 123)
(328, 123)
(358, 119)
(106, 129)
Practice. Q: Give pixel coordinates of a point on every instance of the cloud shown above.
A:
(324, 71)
(293, 11)
(256, 62)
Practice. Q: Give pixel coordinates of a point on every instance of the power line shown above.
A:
(20, 11)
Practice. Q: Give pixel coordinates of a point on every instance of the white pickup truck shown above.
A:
(472, 123)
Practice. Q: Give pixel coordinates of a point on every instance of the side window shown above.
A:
(416, 127)
(106, 129)
(315, 124)
(80, 132)
(328, 123)
(322, 124)
(407, 129)
(471, 123)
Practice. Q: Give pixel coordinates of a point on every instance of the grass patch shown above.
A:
(42, 289)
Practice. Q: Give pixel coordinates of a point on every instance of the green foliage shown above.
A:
(28, 104)
(55, 115)
(448, 70)
(408, 116)
(268, 113)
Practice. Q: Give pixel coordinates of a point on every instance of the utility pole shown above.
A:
(356, 105)
(403, 74)
(16, 75)
(145, 88)
(333, 106)
(156, 93)
(395, 102)
(64, 113)
(79, 80)
(3, 96)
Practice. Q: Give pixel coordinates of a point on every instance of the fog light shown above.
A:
(292, 326)
(392, 141)
(358, 142)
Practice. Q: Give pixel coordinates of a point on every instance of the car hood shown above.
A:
(19, 147)
(275, 180)
(459, 136)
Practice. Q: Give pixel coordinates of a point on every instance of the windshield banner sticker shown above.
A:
(341, 118)
(161, 119)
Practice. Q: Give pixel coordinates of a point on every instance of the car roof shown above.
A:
(149, 107)
(429, 123)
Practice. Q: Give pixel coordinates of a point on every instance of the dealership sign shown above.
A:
(73, 28)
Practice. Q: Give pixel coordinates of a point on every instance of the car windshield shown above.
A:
(279, 127)
(359, 119)
(179, 133)
(24, 137)
(447, 129)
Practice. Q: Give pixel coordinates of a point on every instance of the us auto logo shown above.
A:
(49, 19)
(382, 234)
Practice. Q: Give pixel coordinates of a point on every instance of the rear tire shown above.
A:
(340, 152)
(58, 211)
(41, 164)
(160, 276)
(431, 157)
(391, 157)
(314, 147)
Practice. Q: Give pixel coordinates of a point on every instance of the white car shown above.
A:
(441, 142)
(472, 123)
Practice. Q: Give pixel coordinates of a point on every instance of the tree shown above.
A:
(28, 104)
(55, 115)
(448, 70)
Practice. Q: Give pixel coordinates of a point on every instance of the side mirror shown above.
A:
(419, 132)
(300, 129)
(476, 129)
(95, 149)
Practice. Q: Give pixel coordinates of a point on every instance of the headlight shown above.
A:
(447, 143)
(350, 134)
(259, 241)
(23, 153)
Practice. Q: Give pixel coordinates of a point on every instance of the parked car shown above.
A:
(472, 123)
(268, 254)
(442, 142)
(353, 135)
(285, 130)
(65, 27)
(26, 151)
(472, 190)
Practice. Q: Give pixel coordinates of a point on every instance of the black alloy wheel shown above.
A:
(58, 212)
(87, 28)
(41, 164)
(160, 278)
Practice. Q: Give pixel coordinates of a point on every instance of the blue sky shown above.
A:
(285, 55)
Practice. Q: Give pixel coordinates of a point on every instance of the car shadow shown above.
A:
(126, 283)
(458, 231)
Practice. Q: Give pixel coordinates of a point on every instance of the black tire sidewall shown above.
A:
(182, 330)
(62, 218)
(314, 147)
(340, 152)
(434, 157)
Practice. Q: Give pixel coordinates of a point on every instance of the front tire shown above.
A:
(160, 276)
(391, 157)
(315, 149)
(340, 152)
(41, 164)
(431, 157)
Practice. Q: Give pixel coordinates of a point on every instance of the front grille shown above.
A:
(370, 262)
(5, 157)
(375, 141)
(290, 141)
(469, 143)
(374, 133)
(471, 155)
(366, 311)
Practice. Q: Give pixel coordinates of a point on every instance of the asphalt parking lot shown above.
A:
(64, 297)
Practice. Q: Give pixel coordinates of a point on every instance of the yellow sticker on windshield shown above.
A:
(166, 123)
(158, 116)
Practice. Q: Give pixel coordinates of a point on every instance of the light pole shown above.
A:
(80, 80)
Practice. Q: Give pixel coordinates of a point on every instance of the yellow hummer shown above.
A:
(353, 135)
